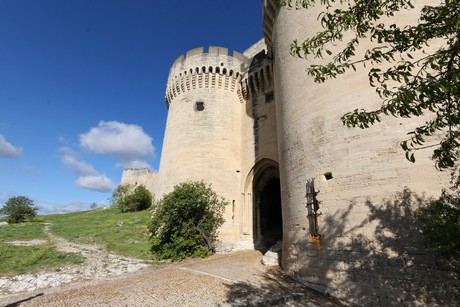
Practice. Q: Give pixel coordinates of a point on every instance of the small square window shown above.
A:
(199, 106)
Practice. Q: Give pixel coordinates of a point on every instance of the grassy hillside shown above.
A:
(97, 227)
(100, 227)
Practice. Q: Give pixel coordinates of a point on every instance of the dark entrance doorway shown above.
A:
(271, 226)
(267, 216)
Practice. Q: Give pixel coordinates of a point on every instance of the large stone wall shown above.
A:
(371, 249)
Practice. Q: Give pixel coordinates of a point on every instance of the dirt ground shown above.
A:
(236, 278)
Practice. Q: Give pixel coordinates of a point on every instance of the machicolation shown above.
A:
(214, 69)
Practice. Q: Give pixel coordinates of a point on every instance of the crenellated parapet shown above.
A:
(270, 10)
(215, 69)
(258, 80)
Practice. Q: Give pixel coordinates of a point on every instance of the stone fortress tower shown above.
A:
(215, 119)
(257, 128)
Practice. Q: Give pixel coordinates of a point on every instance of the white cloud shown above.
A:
(45, 208)
(89, 177)
(7, 150)
(128, 144)
(99, 183)
(74, 163)
(72, 206)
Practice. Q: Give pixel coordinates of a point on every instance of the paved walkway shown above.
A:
(236, 278)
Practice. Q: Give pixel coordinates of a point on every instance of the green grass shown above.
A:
(30, 259)
(23, 232)
(97, 227)
(100, 227)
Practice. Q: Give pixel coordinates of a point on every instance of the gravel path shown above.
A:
(106, 279)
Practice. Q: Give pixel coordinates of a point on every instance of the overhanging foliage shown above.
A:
(424, 72)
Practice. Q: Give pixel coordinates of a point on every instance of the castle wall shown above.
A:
(223, 143)
(371, 249)
(259, 135)
(263, 117)
(205, 145)
(139, 176)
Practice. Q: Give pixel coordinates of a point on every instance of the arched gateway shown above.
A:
(264, 185)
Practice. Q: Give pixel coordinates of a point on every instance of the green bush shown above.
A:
(18, 209)
(128, 198)
(441, 226)
(185, 221)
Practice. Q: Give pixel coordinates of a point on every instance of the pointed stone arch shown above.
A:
(262, 214)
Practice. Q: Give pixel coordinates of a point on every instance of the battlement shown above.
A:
(259, 78)
(212, 50)
(199, 69)
(136, 171)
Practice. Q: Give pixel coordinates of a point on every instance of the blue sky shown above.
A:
(82, 86)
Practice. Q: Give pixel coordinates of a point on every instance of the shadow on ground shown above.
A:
(276, 288)
(18, 303)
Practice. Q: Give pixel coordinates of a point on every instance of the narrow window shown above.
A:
(269, 96)
(199, 106)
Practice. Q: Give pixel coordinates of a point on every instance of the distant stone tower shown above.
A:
(139, 176)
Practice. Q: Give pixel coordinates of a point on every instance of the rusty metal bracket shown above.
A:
(312, 210)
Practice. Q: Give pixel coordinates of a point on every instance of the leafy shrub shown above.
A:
(128, 198)
(184, 223)
(18, 209)
(441, 226)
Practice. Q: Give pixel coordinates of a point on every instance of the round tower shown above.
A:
(364, 181)
(202, 137)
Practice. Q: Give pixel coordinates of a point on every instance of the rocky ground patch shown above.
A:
(98, 264)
